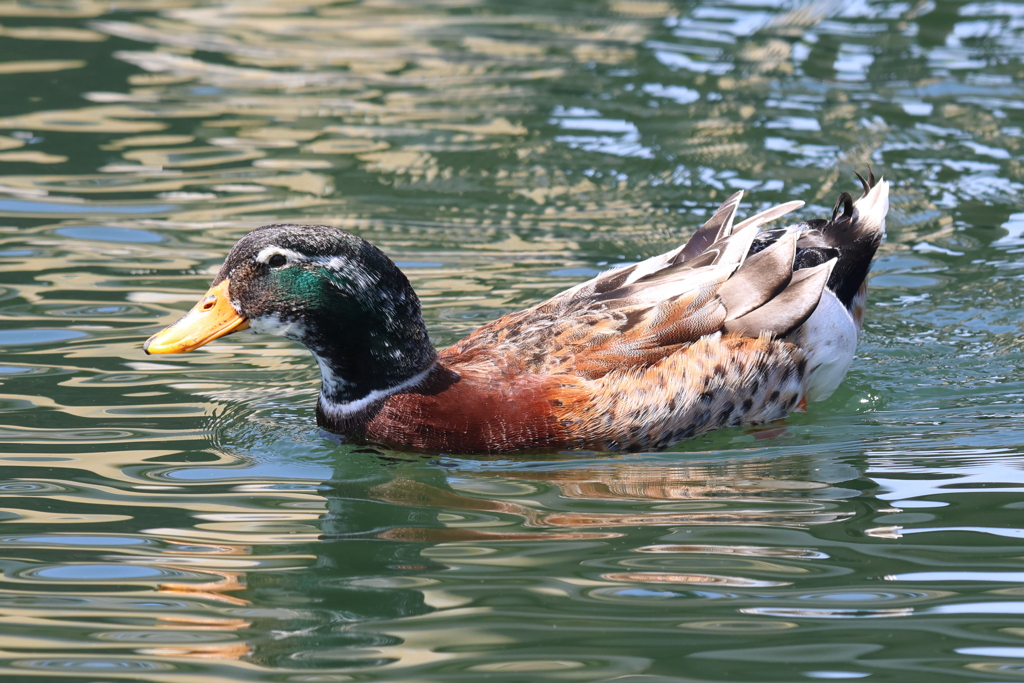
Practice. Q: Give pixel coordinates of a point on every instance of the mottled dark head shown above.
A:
(338, 295)
(303, 274)
(327, 289)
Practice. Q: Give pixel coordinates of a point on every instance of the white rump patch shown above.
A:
(829, 339)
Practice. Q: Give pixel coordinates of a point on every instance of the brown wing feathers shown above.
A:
(640, 313)
(703, 248)
(751, 295)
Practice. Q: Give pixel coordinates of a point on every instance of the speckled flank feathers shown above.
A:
(738, 326)
(712, 383)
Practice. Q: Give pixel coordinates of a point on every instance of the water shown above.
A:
(180, 518)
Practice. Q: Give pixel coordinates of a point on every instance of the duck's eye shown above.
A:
(276, 261)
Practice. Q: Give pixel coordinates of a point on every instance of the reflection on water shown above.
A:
(417, 569)
(182, 519)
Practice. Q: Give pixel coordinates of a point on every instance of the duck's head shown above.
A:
(327, 289)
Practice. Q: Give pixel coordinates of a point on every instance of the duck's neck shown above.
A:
(347, 391)
(360, 366)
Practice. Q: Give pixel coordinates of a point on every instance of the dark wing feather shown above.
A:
(789, 309)
(718, 227)
(762, 277)
(769, 215)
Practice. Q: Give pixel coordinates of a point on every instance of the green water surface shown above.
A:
(180, 519)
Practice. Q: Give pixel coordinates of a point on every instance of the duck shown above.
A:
(741, 325)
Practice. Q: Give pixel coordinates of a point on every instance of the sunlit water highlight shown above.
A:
(179, 519)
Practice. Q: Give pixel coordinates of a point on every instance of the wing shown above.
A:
(729, 277)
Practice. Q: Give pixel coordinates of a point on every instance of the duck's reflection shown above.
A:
(423, 564)
(559, 503)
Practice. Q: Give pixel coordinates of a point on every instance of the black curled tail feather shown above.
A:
(853, 234)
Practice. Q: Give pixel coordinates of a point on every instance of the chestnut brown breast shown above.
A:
(471, 410)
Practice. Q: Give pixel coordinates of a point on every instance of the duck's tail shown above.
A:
(855, 231)
(829, 336)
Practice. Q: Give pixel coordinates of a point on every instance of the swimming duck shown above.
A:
(739, 326)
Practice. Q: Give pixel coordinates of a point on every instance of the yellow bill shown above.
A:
(212, 317)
